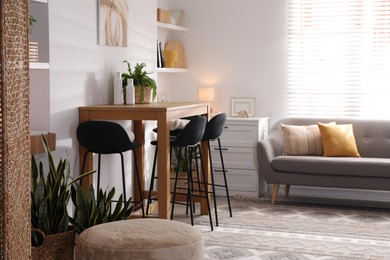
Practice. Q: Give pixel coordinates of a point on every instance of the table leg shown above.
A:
(206, 163)
(139, 133)
(88, 180)
(163, 180)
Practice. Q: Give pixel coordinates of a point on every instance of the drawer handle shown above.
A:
(220, 170)
(226, 127)
(223, 149)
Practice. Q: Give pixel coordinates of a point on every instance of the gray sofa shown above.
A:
(371, 171)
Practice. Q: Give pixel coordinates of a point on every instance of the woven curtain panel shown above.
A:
(14, 130)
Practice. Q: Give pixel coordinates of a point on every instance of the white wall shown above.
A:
(239, 47)
(82, 71)
(236, 46)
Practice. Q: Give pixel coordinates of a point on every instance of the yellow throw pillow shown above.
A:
(338, 140)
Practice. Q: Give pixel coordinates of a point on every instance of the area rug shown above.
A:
(296, 230)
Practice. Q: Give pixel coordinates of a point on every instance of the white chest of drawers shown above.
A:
(238, 142)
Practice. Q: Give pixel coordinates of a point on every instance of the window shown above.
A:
(339, 58)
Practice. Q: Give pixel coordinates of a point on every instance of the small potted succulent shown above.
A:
(144, 86)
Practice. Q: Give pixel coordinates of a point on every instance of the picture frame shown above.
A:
(112, 23)
(243, 105)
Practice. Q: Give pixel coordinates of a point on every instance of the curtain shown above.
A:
(339, 58)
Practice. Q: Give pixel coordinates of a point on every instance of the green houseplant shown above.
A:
(143, 84)
(92, 211)
(32, 20)
(50, 195)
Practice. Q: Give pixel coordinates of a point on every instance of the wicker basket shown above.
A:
(142, 94)
(56, 246)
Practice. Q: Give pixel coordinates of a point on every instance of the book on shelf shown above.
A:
(160, 57)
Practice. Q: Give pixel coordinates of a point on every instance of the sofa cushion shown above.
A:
(338, 140)
(344, 166)
(301, 140)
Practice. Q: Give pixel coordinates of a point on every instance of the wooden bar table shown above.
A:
(162, 112)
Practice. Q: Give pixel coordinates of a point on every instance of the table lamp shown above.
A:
(206, 95)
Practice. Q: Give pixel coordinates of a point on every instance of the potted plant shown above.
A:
(144, 86)
(32, 20)
(51, 235)
(91, 211)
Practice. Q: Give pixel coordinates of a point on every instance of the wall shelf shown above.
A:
(174, 34)
(171, 27)
(39, 65)
(171, 70)
(40, 69)
(40, 1)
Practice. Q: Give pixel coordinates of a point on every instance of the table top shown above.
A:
(163, 106)
(151, 111)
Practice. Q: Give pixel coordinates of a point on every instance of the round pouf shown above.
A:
(140, 239)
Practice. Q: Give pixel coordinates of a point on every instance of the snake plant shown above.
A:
(50, 195)
(91, 210)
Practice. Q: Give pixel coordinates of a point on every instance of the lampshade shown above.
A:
(206, 94)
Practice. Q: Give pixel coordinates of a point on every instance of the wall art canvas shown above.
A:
(112, 22)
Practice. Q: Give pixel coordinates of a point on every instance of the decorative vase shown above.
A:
(56, 246)
(142, 94)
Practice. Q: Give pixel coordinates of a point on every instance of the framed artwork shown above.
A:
(112, 22)
(243, 106)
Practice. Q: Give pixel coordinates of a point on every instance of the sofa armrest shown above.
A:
(267, 150)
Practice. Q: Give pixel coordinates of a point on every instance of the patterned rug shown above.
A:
(296, 230)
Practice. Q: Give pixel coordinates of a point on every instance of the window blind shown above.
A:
(339, 58)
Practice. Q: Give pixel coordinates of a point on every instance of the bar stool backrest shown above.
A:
(192, 132)
(104, 137)
(214, 127)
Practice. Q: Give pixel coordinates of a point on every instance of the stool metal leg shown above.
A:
(175, 184)
(98, 178)
(123, 178)
(139, 184)
(151, 186)
(213, 186)
(197, 170)
(224, 177)
(206, 189)
(190, 186)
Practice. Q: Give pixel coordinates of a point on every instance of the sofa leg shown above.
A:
(275, 191)
(287, 190)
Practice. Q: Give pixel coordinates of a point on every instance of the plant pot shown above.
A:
(142, 94)
(56, 246)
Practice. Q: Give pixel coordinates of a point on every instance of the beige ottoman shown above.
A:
(140, 239)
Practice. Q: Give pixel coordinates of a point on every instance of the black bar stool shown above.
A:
(172, 134)
(153, 178)
(214, 129)
(189, 139)
(103, 137)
